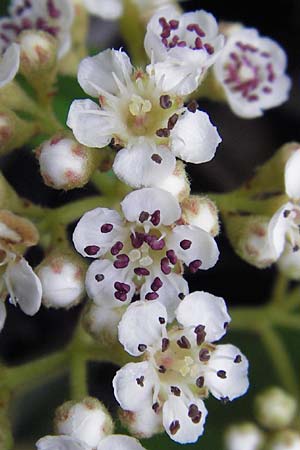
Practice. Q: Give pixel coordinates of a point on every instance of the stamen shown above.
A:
(162, 369)
(92, 250)
(204, 355)
(183, 342)
(162, 320)
(99, 277)
(172, 121)
(155, 218)
(164, 344)
(156, 284)
(144, 216)
(192, 106)
(185, 244)
(175, 390)
(171, 257)
(174, 427)
(237, 359)
(165, 101)
(164, 265)
(106, 228)
(156, 158)
(142, 347)
(116, 248)
(151, 296)
(141, 272)
(195, 265)
(155, 407)
(122, 261)
(140, 381)
(222, 374)
(200, 382)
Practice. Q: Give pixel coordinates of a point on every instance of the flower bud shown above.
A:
(62, 278)
(201, 212)
(88, 421)
(177, 183)
(14, 132)
(38, 52)
(285, 440)
(102, 323)
(66, 164)
(275, 408)
(246, 436)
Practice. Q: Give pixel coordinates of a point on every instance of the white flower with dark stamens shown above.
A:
(18, 279)
(147, 124)
(251, 71)
(51, 16)
(181, 48)
(181, 365)
(142, 252)
(245, 436)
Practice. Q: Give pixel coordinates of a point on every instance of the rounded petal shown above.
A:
(289, 263)
(91, 236)
(141, 326)
(202, 308)
(194, 138)
(119, 442)
(151, 200)
(192, 244)
(24, 286)
(177, 421)
(9, 64)
(95, 72)
(2, 314)
(291, 175)
(91, 126)
(144, 164)
(226, 374)
(133, 385)
(101, 284)
(173, 286)
(143, 423)
(61, 443)
(277, 229)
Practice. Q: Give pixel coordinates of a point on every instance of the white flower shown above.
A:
(51, 16)
(113, 442)
(143, 252)
(181, 365)
(251, 70)
(147, 124)
(181, 48)
(246, 436)
(18, 278)
(275, 408)
(64, 163)
(62, 279)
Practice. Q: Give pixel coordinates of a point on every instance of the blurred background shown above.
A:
(246, 144)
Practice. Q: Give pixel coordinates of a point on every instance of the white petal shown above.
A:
(291, 175)
(88, 232)
(232, 381)
(289, 263)
(9, 64)
(61, 443)
(101, 279)
(91, 126)
(173, 286)
(144, 164)
(277, 229)
(95, 72)
(203, 247)
(133, 385)
(176, 411)
(151, 200)
(119, 442)
(141, 326)
(2, 314)
(24, 286)
(144, 423)
(194, 138)
(202, 308)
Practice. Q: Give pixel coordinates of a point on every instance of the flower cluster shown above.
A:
(275, 411)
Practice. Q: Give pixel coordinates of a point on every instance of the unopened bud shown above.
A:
(275, 408)
(177, 183)
(87, 421)
(38, 52)
(102, 323)
(66, 164)
(14, 132)
(285, 440)
(245, 436)
(201, 212)
(62, 278)
(144, 423)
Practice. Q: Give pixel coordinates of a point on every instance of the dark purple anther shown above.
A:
(165, 101)
(121, 262)
(116, 248)
(172, 121)
(209, 48)
(120, 296)
(154, 242)
(164, 265)
(141, 271)
(155, 218)
(171, 257)
(174, 24)
(166, 32)
(99, 277)
(137, 239)
(106, 228)
(52, 10)
(195, 27)
(198, 43)
(156, 284)
(195, 265)
(185, 244)
(122, 287)
(156, 158)
(144, 216)
(181, 44)
(92, 250)
(151, 296)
